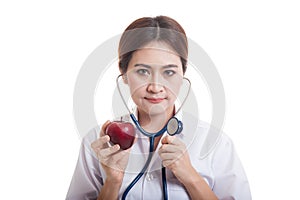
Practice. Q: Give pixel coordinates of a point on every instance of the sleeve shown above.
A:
(230, 181)
(87, 179)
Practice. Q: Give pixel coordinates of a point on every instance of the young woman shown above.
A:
(153, 55)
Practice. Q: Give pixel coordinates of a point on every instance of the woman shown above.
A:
(153, 56)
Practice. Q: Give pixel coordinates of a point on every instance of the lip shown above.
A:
(154, 100)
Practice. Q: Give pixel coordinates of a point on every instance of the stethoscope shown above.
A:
(173, 127)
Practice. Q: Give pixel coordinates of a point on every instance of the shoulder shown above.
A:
(230, 180)
(225, 145)
(206, 137)
(224, 142)
(211, 141)
(225, 157)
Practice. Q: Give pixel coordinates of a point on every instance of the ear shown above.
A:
(124, 77)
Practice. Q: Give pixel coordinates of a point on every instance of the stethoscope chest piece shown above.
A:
(174, 126)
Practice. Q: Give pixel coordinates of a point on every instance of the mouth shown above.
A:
(154, 100)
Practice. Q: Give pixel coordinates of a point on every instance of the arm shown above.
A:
(110, 190)
(113, 161)
(197, 187)
(87, 179)
(230, 178)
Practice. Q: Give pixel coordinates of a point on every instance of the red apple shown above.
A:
(122, 133)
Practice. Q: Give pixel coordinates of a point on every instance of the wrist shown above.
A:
(114, 181)
(197, 187)
(110, 189)
(192, 179)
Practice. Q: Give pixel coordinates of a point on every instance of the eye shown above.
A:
(169, 72)
(143, 71)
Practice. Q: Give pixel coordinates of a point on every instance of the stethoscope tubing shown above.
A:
(135, 180)
(142, 172)
(151, 136)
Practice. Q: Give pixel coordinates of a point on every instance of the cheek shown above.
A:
(135, 85)
(174, 88)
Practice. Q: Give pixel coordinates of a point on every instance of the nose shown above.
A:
(155, 85)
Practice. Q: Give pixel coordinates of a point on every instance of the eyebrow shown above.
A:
(148, 66)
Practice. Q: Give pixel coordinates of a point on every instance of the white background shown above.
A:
(255, 46)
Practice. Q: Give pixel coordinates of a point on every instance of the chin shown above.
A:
(157, 110)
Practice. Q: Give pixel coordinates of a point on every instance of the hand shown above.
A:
(112, 159)
(175, 157)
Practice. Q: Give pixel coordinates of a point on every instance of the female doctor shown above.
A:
(153, 56)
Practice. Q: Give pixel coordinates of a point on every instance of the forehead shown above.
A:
(156, 53)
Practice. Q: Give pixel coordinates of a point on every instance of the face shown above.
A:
(154, 76)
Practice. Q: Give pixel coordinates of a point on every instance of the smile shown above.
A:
(154, 100)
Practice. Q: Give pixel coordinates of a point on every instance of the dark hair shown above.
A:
(147, 29)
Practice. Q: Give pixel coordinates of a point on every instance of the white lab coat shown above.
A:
(221, 168)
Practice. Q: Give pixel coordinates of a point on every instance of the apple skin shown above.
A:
(122, 133)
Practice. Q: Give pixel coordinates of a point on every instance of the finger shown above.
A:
(105, 154)
(99, 143)
(165, 140)
(167, 163)
(104, 126)
(170, 140)
(169, 148)
(117, 160)
(167, 156)
(119, 155)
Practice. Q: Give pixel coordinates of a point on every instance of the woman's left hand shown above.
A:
(175, 157)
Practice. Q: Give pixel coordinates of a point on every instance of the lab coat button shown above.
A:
(149, 177)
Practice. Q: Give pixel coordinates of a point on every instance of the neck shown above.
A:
(154, 123)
